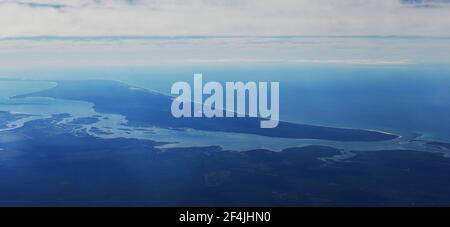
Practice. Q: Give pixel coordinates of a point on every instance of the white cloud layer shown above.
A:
(227, 17)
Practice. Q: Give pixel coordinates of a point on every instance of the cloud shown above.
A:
(54, 52)
(426, 3)
(226, 17)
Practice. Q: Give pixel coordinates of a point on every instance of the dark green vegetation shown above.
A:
(50, 166)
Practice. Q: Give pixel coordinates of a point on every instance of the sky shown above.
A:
(50, 33)
(223, 17)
